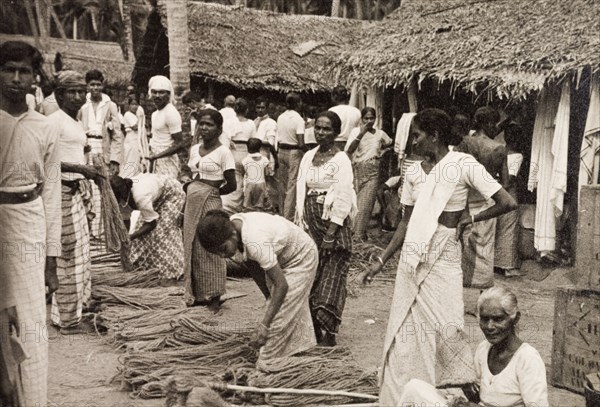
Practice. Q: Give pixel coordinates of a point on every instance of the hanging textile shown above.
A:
(590, 146)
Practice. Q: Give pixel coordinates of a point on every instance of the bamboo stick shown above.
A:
(274, 390)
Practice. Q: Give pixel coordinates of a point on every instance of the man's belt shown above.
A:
(284, 146)
(74, 185)
(12, 198)
(239, 142)
(94, 136)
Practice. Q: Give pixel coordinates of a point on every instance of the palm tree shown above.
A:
(177, 31)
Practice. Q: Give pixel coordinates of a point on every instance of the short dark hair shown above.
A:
(340, 94)
(435, 122)
(18, 51)
(335, 120)
(241, 106)
(133, 98)
(94, 75)
(485, 115)
(212, 113)
(366, 110)
(293, 100)
(254, 145)
(513, 135)
(191, 97)
(121, 186)
(310, 111)
(262, 99)
(214, 229)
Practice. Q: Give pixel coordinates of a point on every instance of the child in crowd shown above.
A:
(255, 187)
(131, 145)
(388, 197)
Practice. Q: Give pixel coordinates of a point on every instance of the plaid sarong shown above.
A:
(73, 266)
(162, 248)
(168, 166)
(205, 273)
(328, 294)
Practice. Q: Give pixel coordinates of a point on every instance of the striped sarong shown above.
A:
(168, 166)
(205, 273)
(162, 248)
(22, 242)
(425, 336)
(328, 294)
(507, 241)
(73, 266)
(366, 181)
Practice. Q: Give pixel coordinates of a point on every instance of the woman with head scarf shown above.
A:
(428, 294)
(167, 138)
(213, 175)
(325, 204)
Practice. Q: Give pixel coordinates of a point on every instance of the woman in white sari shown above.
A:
(425, 337)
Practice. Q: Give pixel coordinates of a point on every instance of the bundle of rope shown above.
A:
(146, 372)
(116, 236)
(112, 275)
(364, 254)
(141, 298)
(332, 371)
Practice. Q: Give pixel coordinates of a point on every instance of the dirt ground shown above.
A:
(82, 366)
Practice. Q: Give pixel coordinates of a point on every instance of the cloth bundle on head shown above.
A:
(69, 79)
(402, 133)
(160, 82)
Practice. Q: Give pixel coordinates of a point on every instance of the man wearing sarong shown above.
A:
(30, 200)
(266, 132)
(479, 248)
(73, 266)
(167, 137)
(100, 119)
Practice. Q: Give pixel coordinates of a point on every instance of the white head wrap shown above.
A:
(160, 82)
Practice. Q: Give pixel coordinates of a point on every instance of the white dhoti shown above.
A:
(22, 258)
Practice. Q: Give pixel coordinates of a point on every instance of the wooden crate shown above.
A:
(587, 258)
(575, 337)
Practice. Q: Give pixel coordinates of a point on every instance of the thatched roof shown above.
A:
(250, 48)
(82, 56)
(509, 47)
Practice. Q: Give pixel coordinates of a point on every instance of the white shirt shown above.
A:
(266, 129)
(245, 130)
(165, 122)
(309, 136)
(514, 162)
(71, 142)
(230, 125)
(370, 146)
(254, 168)
(521, 382)
(289, 125)
(211, 166)
(146, 189)
(350, 117)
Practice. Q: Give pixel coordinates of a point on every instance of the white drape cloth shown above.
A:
(590, 146)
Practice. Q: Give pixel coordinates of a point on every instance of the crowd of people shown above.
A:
(290, 196)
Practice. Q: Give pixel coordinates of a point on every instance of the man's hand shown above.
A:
(50, 276)
(13, 320)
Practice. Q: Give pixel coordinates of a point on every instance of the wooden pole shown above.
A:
(274, 390)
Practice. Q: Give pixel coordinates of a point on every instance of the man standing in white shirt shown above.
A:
(266, 132)
(349, 115)
(290, 142)
(167, 138)
(100, 119)
(230, 121)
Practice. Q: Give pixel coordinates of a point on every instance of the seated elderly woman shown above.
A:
(510, 372)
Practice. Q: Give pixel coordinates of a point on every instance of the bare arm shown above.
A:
(230, 183)
(147, 227)
(278, 293)
(178, 144)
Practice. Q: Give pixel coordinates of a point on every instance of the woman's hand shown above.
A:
(460, 228)
(91, 172)
(328, 242)
(180, 220)
(259, 337)
(365, 128)
(367, 276)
